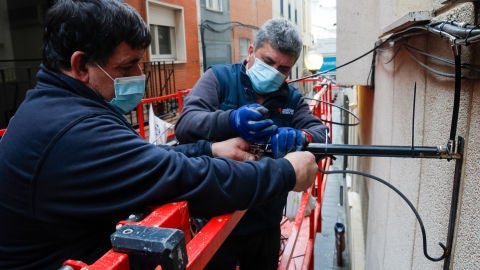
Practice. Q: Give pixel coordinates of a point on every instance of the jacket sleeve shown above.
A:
(305, 120)
(202, 118)
(101, 170)
(201, 147)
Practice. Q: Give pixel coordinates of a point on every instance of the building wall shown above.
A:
(188, 72)
(299, 15)
(20, 51)
(393, 235)
(251, 14)
(216, 42)
(255, 13)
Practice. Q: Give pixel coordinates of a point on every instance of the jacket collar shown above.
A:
(47, 77)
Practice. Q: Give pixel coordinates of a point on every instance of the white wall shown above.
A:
(303, 25)
(393, 238)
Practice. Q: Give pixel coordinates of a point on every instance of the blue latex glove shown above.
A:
(251, 123)
(287, 140)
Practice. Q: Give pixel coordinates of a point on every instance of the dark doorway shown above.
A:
(20, 51)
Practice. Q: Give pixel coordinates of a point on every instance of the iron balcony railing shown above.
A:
(17, 76)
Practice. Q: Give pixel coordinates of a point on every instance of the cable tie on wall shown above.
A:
(469, 34)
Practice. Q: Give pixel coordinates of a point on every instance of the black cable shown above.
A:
(458, 86)
(371, 72)
(469, 34)
(473, 68)
(341, 108)
(422, 227)
(379, 44)
(372, 69)
(435, 57)
(457, 33)
(206, 24)
(393, 56)
(432, 70)
(413, 113)
(338, 67)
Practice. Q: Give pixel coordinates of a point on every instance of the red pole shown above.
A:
(141, 125)
(180, 101)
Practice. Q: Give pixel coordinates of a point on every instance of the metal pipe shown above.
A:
(340, 242)
(381, 150)
(454, 204)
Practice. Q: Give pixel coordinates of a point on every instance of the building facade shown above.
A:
(421, 71)
(297, 12)
(175, 36)
(174, 50)
(247, 16)
(215, 32)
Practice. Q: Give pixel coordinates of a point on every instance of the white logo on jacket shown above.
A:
(289, 111)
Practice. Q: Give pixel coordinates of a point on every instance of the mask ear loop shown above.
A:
(104, 71)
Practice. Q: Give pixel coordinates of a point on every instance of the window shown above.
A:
(281, 7)
(289, 11)
(244, 44)
(163, 41)
(215, 5)
(168, 32)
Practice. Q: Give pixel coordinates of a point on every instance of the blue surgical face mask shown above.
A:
(128, 91)
(265, 79)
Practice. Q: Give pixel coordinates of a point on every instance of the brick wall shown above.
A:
(251, 12)
(186, 74)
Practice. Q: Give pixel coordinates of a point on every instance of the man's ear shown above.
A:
(79, 69)
(250, 52)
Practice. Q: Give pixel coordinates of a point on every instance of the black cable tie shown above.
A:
(341, 108)
(469, 34)
(441, 28)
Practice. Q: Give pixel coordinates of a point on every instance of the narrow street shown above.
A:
(333, 208)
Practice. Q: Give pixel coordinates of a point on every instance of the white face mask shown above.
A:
(128, 91)
(265, 79)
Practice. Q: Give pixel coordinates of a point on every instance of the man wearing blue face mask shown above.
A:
(252, 99)
(128, 91)
(71, 166)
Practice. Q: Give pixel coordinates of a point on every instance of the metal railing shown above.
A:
(172, 99)
(17, 76)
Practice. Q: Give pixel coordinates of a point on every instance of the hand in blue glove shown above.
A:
(251, 123)
(288, 140)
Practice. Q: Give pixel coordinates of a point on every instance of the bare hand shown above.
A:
(236, 148)
(305, 169)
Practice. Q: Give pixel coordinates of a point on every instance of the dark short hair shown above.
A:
(281, 35)
(95, 27)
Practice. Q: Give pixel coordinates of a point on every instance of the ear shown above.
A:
(250, 53)
(79, 69)
(250, 50)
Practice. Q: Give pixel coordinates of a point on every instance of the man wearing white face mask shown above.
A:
(252, 99)
(71, 166)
